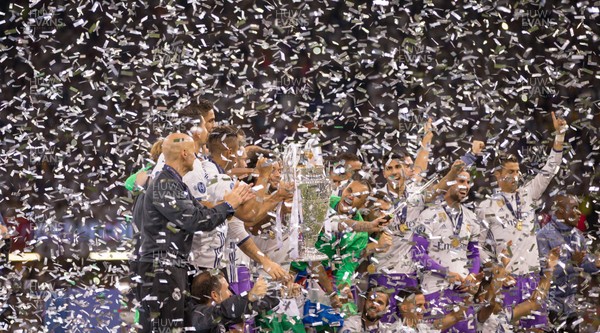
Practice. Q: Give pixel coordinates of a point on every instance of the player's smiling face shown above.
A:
(508, 177)
(354, 196)
(460, 190)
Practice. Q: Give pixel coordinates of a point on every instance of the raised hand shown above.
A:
(477, 147)
(428, 134)
(560, 125)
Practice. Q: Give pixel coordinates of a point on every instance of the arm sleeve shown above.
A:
(172, 201)
(538, 185)
(469, 159)
(130, 182)
(351, 247)
(543, 247)
(421, 256)
(473, 256)
(230, 310)
(237, 232)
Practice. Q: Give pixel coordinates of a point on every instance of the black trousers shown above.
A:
(162, 293)
(558, 319)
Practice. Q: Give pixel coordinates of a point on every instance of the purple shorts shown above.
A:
(395, 283)
(441, 303)
(522, 290)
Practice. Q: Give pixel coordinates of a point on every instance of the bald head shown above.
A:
(178, 149)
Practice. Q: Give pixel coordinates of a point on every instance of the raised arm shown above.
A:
(422, 159)
(540, 182)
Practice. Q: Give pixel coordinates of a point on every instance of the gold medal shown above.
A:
(371, 269)
(403, 228)
(520, 225)
(455, 242)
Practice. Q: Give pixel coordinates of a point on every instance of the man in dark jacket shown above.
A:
(213, 307)
(171, 216)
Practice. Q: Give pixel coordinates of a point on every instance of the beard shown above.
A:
(370, 317)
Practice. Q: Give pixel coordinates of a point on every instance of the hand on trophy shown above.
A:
(285, 191)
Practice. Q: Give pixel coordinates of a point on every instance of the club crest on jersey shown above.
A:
(201, 187)
(442, 216)
(501, 203)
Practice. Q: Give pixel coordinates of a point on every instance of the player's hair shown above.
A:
(205, 283)
(356, 177)
(397, 155)
(379, 289)
(217, 138)
(501, 159)
(156, 149)
(254, 153)
(195, 110)
(407, 293)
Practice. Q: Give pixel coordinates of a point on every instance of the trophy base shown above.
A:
(310, 255)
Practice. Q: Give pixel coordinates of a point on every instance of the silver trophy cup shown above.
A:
(313, 187)
(313, 184)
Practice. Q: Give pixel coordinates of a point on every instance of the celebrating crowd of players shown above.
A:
(407, 257)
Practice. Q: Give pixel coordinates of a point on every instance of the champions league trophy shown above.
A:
(310, 205)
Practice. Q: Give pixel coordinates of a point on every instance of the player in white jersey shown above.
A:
(394, 269)
(223, 145)
(446, 248)
(509, 215)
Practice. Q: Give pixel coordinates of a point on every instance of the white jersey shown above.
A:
(354, 324)
(501, 225)
(208, 248)
(196, 180)
(447, 243)
(398, 259)
(160, 164)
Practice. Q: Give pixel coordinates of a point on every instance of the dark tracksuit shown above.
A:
(208, 318)
(170, 218)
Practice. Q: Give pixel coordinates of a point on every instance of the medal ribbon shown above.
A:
(517, 214)
(458, 225)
